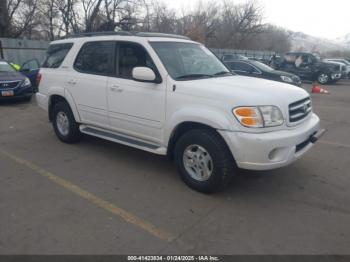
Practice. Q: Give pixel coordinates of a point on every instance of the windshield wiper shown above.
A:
(222, 73)
(192, 76)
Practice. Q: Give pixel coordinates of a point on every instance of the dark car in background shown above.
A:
(257, 69)
(14, 84)
(310, 67)
(233, 57)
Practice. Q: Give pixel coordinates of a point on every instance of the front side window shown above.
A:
(96, 58)
(188, 60)
(30, 65)
(132, 55)
(56, 53)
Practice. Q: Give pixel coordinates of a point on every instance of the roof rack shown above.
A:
(124, 33)
(127, 33)
(154, 34)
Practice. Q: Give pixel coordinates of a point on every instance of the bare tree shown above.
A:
(4, 19)
(67, 9)
(91, 11)
(22, 17)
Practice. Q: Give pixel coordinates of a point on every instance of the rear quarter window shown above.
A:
(55, 55)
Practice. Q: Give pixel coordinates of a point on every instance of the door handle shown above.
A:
(116, 89)
(71, 82)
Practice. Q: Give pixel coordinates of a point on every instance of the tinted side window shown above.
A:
(233, 65)
(243, 67)
(130, 56)
(30, 65)
(96, 58)
(56, 54)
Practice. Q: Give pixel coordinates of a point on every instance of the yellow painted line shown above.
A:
(333, 143)
(117, 211)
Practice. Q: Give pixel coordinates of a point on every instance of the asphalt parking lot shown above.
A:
(97, 197)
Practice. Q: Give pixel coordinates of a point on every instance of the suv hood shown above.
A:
(243, 91)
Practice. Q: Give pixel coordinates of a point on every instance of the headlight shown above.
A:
(26, 82)
(287, 79)
(259, 116)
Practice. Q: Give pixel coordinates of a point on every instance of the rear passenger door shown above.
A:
(88, 82)
(136, 108)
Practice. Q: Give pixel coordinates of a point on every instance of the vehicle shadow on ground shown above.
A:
(15, 102)
(242, 181)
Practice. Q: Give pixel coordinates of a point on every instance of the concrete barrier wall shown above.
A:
(21, 50)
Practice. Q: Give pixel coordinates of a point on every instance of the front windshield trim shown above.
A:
(198, 76)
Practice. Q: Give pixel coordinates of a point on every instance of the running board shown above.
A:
(123, 139)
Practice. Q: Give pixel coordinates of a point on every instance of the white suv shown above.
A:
(171, 96)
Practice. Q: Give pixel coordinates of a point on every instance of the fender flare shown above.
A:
(62, 92)
(215, 119)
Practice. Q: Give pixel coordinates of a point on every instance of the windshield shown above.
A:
(318, 58)
(262, 66)
(189, 60)
(5, 67)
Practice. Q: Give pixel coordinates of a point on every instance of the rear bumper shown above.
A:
(42, 100)
(272, 150)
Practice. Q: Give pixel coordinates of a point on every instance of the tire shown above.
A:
(323, 78)
(64, 124)
(221, 166)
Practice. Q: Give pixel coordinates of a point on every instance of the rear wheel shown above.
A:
(323, 78)
(66, 129)
(204, 160)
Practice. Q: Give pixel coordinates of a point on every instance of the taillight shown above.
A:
(38, 79)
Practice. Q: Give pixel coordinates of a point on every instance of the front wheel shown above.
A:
(323, 78)
(66, 129)
(204, 160)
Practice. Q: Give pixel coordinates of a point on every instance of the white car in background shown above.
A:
(343, 62)
(168, 95)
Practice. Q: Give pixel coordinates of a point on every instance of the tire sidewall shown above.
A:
(319, 75)
(72, 132)
(220, 174)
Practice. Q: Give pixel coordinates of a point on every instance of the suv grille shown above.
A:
(9, 84)
(299, 110)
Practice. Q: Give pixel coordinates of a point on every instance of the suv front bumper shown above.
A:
(265, 151)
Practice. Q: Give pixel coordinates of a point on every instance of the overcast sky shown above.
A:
(323, 18)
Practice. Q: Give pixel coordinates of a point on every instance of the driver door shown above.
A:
(31, 69)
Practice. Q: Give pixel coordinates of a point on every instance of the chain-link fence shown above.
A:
(264, 56)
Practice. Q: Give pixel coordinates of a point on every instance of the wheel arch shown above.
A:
(184, 127)
(56, 98)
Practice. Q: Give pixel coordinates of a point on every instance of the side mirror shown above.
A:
(26, 70)
(144, 74)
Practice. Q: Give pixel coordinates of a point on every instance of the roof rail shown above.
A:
(106, 33)
(155, 34)
(127, 33)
